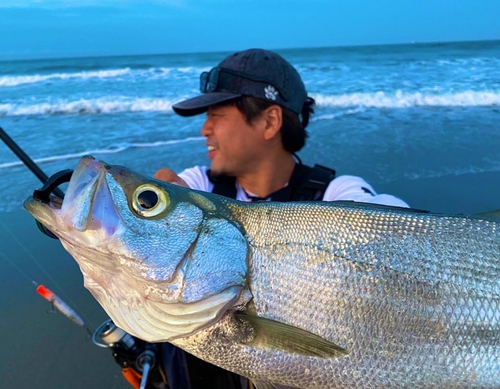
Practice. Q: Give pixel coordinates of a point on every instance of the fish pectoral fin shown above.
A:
(268, 385)
(276, 335)
(493, 216)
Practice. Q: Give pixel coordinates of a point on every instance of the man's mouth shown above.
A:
(211, 151)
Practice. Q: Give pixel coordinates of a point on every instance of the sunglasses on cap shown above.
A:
(222, 79)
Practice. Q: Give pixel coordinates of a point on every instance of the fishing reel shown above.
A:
(130, 353)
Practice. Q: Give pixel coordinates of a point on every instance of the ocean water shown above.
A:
(417, 121)
(392, 114)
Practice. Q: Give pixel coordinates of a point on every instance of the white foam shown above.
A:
(160, 72)
(110, 150)
(452, 171)
(338, 114)
(402, 99)
(7, 81)
(107, 104)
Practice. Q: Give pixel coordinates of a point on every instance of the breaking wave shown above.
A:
(110, 150)
(153, 72)
(108, 104)
(355, 101)
(402, 99)
(337, 114)
(20, 80)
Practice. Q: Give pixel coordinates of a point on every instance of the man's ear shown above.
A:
(273, 117)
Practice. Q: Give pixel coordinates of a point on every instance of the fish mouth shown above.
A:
(34, 205)
(45, 213)
(87, 204)
(55, 202)
(49, 197)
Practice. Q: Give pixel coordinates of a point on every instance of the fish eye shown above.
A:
(149, 200)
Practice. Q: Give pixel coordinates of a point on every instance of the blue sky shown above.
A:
(67, 28)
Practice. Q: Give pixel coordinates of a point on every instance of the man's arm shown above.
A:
(353, 188)
(169, 175)
(194, 178)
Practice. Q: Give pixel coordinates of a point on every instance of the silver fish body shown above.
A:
(411, 299)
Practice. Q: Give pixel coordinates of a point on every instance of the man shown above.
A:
(257, 111)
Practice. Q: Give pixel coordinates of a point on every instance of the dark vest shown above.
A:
(306, 184)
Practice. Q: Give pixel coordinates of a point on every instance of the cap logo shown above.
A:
(271, 92)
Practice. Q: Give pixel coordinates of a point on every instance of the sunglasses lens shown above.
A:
(203, 82)
(213, 80)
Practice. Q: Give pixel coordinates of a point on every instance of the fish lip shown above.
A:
(54, 202)
(44, 212)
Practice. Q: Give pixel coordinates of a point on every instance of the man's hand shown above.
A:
(169, 175)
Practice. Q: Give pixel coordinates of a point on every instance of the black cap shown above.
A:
(255, 72)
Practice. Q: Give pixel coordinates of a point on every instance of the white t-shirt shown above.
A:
(341, 188)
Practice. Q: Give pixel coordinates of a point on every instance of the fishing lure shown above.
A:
(59, 304)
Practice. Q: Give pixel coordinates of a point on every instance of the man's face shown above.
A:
(233, 144)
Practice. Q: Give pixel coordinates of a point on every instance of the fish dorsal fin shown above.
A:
(268, 385)
(276, 335)
(493, 216)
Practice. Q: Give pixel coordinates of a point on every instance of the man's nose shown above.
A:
(206, 129)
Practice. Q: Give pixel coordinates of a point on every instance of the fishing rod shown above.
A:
(30, 164)
(50, 185)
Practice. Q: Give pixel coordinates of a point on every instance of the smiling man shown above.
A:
(257, 111)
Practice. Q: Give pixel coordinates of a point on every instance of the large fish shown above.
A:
(309, 295)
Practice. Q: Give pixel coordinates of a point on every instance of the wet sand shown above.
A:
(43, 350)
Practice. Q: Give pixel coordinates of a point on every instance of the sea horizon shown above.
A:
(279, 49)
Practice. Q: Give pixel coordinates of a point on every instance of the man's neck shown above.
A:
(272, 175)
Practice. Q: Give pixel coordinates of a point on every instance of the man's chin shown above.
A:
(216, 171)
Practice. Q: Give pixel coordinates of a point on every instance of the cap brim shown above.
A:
(200, 104)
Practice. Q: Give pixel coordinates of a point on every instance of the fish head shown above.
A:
(163, 261)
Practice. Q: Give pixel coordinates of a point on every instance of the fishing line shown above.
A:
(43, 271)
(19, 269)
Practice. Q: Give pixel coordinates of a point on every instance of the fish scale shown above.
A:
(305, 295)
(407, 320)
